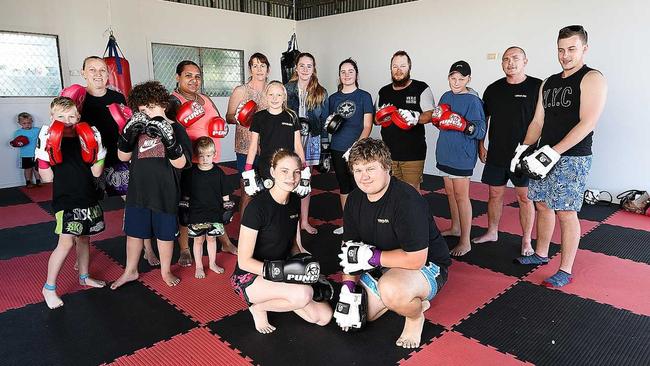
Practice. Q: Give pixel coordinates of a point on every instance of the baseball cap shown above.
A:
(461, 67)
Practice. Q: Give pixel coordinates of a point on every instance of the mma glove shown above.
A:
(301, 268)
(410, 117)
(323, 290)
(357, 257)
(184, 212)
(228, 211)
(540, 163)
(252, 182)
(521, 151)
(351, 309)
(159, 127)
(304, 187)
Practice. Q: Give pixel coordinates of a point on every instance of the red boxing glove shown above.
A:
(217, 128)
(384, 115)
(189, 112)
(53, 144)
(121, 114)
(89, 146)
(438, 111)
(244, 113)
(77, 93)
(455, 122)
(19, 141)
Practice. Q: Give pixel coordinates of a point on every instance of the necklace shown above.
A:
(195, 96)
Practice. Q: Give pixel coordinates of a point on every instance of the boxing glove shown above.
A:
(189, 112)
(304, 187)
(540, 163)
(19, 141)
(77, 93)
(228, 211)
(405, 119)
(323, 290)
(160, 128)
(384, 115)
(53, 143)
(184, 212)
(437, 113)
(357, 257)
(244, 113)
(40, 153)
(300, 268)
(333, 123)
(217, 127)
(133, 129)
(352, 308)
(252, 182)
(521, 151)
(88, 142)
(325, 163)
(304, 126)
(451, 121)
(121, 114)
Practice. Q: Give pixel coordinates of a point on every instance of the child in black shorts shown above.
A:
(159, 150)
(204, 188)
(74, 192)
(25, 140)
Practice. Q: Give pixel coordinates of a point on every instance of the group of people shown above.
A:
(162, 160)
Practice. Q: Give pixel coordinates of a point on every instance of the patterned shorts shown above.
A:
(80, 221)
(311, 145)
(564, 187)
(209, 229)
(115, 179)
(436, 278)
(240, 282)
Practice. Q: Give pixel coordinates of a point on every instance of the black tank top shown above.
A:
(561, 98)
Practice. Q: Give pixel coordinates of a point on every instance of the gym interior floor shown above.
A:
(491, 311)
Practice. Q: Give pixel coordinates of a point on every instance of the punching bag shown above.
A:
(289, 58)
(119, 72)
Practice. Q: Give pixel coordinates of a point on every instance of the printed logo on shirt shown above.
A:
(287, 124)
(383, 221)
(521, 96)
(294, 216)
(150, 147)
(346, 109)
(557, 97)
(411, 99)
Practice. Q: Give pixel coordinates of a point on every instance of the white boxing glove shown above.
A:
(101, 149)
(252, 183)
(411, 117)
(304, 187)
(357, 257)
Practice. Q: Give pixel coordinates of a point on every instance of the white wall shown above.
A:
(81, 26)
(438, 33)
(435, 33)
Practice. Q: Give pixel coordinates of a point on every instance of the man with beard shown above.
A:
(405, 136)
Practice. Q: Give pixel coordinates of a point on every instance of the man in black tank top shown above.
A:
(568, 108)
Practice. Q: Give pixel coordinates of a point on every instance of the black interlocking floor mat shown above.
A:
(28, 239)
(619, 242)
(548, 327)
(13, 196)
(439, 205)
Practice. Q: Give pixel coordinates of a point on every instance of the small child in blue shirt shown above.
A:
(25, 139)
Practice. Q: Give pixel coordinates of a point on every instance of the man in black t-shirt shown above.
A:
(509, 104)
(391, 241)
(414, 100)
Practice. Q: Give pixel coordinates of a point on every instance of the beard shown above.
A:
(403, 81)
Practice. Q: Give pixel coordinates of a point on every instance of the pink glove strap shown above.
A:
(248, 166)
(43, 164)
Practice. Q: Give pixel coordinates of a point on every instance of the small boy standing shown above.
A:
(25, 139)
(204, 187)
(159, 149)
(71, 155)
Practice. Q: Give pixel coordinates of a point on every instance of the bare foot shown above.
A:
(412, 333)
(308, 228)
(261, 320)
(460, 250)
(487, 237)
(199, 273)
(91, 282)
(185, 259)
(451, 232)
(232, 249)
(170, 279)
(216, 269)
(526, 248)
(124, 278)
(151, 258)
(52, 300)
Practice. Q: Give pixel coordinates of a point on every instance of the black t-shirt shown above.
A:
(74, 185)
(95, 112)
(276, 225)
(400, 219)
(154, 183)
(206, 189)
(275, 132)
(404, 145)
(510, 108)
(562, 111)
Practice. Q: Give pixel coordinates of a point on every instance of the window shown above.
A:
(222, 69)
(29, 65)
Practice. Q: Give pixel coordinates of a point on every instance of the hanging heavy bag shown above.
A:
(119, 72)
(289, 58)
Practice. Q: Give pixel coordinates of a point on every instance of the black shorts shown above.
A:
(497, 176)
(27, 163)
(80, 221)
(343, 174)
(207, 228)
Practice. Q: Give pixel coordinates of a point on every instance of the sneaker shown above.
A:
(338, 231)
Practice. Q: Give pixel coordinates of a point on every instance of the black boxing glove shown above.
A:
(159, 127)
(301, 268)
